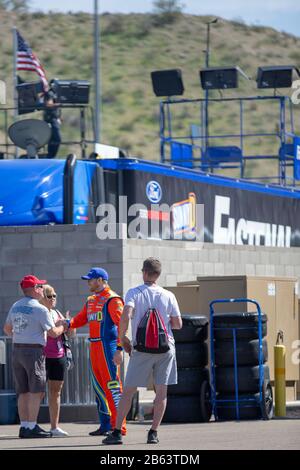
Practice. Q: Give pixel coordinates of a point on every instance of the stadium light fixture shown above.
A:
(220, 78)
(280, 76)
(167, 82)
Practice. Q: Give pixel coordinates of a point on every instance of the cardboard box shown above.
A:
(298, 354)
(278, 298)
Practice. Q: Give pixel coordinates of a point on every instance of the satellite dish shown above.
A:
(30, 134)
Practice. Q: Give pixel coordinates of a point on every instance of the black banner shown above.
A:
(232, 215)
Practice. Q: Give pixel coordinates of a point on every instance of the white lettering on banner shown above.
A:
(246, 232)
(222, 206)
(296, 354)
(295, 98)
(298, 152)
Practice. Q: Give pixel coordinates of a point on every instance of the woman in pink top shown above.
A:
(56, 363)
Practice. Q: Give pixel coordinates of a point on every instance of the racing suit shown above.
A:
(103, 311)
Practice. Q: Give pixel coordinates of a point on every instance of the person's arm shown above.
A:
(56, 331)
(123, 328)
(175, 317)
(125, 318)
(49, 103)
(48, 325)
(8, 326)
(124, 321)
(176, 323)
(71, 332)
(80, 319)
(8, 329)
(124, 340)
(65, 321)
(115, 310)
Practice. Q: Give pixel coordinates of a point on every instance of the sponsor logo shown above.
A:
(183, 215)
(228, 230)
(81, 214)
(99, 315)
(179, 220)
(92, 316)
(113, 384)
(154, 191)
(95, 316)
(1, 209)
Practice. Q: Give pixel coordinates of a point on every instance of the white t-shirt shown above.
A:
(30, 321)
(143, 297)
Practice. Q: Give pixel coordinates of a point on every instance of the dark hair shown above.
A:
(152, 266)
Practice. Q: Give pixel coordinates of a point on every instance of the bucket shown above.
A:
(8, 407)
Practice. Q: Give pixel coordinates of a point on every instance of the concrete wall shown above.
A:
(185, 261)
(61, 254)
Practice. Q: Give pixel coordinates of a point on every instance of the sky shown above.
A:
(283, 15)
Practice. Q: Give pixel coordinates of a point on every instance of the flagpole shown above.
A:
(97, 74)
(15, 81)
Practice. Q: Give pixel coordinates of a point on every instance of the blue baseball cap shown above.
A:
(95, 273)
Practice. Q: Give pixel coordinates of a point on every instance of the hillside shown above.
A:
(134, 45)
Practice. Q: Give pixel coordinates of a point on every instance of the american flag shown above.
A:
(26, 60)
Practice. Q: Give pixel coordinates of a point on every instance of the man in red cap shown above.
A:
(29, 322)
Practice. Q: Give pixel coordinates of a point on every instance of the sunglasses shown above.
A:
(39, 286)
(53, 296)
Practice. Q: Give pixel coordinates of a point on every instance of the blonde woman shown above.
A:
(56, 362)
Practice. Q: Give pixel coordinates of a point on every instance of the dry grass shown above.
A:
(131, 47)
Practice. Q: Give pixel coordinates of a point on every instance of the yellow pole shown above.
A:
(279, 365)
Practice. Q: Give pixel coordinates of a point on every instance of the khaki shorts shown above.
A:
(29, 369)
(142, 366)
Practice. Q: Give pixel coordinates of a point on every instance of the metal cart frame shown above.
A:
(237, 401)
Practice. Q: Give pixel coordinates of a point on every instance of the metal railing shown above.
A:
(195, 147)
(77, 389)
(84, 123)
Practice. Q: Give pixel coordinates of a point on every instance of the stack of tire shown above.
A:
(189, 400)
(247, 346)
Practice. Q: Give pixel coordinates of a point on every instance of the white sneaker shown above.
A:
(58, 432)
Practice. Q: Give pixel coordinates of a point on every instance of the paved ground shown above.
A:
(275, 434)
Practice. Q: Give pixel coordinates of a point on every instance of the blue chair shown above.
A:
(286, 152)
(222, 157)
(181, 154)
